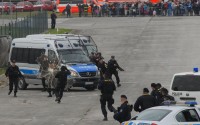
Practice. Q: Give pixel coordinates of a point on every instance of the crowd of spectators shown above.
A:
(168, 8)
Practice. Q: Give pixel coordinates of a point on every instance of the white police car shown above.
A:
(186, 86)
(168, 115)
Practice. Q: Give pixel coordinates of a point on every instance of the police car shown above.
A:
(186, 86)
(168, 115)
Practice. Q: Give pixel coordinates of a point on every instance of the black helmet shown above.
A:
(63, 68)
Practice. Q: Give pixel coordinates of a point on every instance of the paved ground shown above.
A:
(149, 49)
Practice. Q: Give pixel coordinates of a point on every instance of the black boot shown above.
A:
(49, 91)
(118, 85)
(9, 92)
(57, 99)
(15, 94)
(105, 119)
(49, 95)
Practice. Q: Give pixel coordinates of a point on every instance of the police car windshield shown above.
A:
(73, 56)
(186, 83)
(153, 114)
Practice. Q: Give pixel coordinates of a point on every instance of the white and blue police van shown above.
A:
(185, 86)
(26, 50)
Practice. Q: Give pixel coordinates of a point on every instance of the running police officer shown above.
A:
(112, 69)
(107, 88)
(62, 81)
(13, 74)
(124, 111)
(102, 66)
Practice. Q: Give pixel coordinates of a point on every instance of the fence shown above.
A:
(34, 24)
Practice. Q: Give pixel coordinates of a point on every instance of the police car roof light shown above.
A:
(191, 103)
(196, 69)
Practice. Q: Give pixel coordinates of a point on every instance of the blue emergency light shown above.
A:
(196, 69)
(188, 103)
(191, 103)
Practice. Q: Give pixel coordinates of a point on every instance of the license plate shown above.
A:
(89, 83)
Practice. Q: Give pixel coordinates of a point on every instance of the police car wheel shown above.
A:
(22, 85)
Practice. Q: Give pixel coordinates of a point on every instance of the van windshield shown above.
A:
(186, 83)
(91, 48)
(73, 56)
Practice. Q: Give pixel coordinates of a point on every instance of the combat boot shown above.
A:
(57, 99)
(118, 85)
(9, 92)
(49, 95)
(105, 119)
(15, 94)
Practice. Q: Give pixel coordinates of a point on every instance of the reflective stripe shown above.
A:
(29, 71)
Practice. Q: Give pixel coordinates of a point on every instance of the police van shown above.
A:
(86, 42)
(25, 51)
(186, 86)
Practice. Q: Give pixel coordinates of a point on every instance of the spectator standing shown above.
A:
(68, 9)
(53, 20)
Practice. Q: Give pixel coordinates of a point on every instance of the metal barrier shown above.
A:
(34, 24)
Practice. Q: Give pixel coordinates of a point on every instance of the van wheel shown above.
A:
(22, 85)
(90, 88)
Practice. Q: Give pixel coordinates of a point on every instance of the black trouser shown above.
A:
(80, 13)
(13, 81)
(43, 83)
(68, 13)
(59, 90)
(110, 102)
(118, 117)
(115, 73)
(53, 23)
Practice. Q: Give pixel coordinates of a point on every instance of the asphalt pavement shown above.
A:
(150, 49)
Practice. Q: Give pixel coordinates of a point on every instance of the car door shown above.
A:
(188, 117)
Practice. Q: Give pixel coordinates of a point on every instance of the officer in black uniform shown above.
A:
(166, 96)
(102, 66)
(107, 88)
(145, 101)
(112, 69)
(62, 81)
(53, 20)
(156, 93)
(13, 74)
(124, 111)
